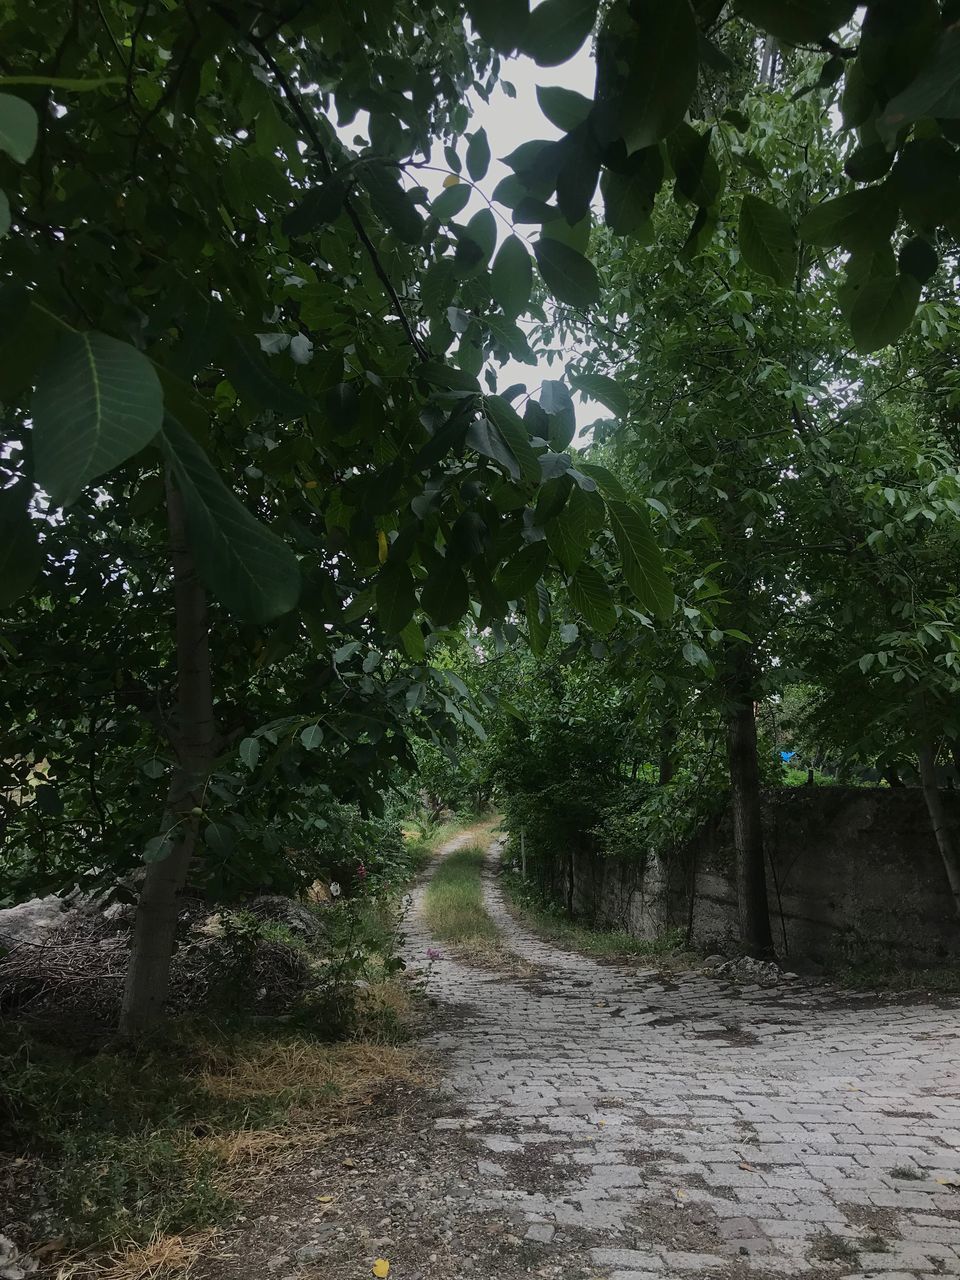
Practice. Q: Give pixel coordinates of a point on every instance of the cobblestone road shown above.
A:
(654, 1127)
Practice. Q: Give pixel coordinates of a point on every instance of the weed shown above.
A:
(454, 901)
(833, 1248)
(907, 1172)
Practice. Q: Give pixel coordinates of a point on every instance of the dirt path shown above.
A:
(604, 1121)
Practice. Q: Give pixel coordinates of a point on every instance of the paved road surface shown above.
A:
(652, 1127)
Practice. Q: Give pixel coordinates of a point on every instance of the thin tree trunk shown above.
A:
(751, 875)
(154, 930)
(668, 743)
(891, 776)
(946, 842)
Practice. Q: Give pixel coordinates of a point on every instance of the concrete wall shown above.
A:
(857, 870)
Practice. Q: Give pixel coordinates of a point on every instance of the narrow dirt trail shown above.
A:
(635, 1127)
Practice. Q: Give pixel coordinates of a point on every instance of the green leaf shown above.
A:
(857, 220)
(607, 390)
(447, 377)
(662, 71)
(641, 557)
(247, 567)
(882, 311)
(391, 203)
(935, 91)
(97, 403)
(918, 258)
(591, 598)
(539, 621)
(158, 847)
(21, 558)
(569, 533)
(563, 107)
(318, 207)
(557, 29)
(511, 277)
(696, 171)
(522, 571)
(18, 128)
(411, 637)
(501, 23)
(478, 155)
(766, 240)
(606, 480)
(484, 437)
(250, 752)
(513, 430)
(446, 595)
(450, 202)
(311, 737)
(797, 21)
(628, 200)
(569, 276)
(396, 600)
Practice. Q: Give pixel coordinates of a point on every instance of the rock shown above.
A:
(14, 1265)
(542, 1232)
(310, 1253)
(713, 962)
(296, 916)
(31, 921)
(274, 1264)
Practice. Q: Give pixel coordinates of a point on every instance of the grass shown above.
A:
(551, 922)
(140, 1155)
(454, 901)
(889, 975)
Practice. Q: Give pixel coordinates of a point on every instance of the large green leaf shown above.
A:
(478, 155)
(661, 71)
(857, 220)
(797, 21)
(568, 275)
(251, 571)
(607, 390)
(591, 598)
(935, 91)
(21, 558)
(882, 310)
(450, 202)
(522, 571)
(317, 207)
(569, 533)
(396, 600)
(557, 29)
(391, 203)
(564, 108)
(501, 23)
(766, 239)
(511, 277)
(515, 433)
(18, 128)
(446, 594)
(627, 200)
(641, 557)
(97, 402)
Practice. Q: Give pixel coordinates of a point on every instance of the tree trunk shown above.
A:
(751, 875)
(154, 930)
(938, 820)
(668, 744)
(891, 776)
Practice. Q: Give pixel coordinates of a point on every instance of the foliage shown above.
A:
(453, 907)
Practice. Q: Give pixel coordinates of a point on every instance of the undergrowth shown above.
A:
(454, 901)
(550, 920)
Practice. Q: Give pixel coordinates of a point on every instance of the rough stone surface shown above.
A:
(711, 1128)
(854, 869)
(32, 921)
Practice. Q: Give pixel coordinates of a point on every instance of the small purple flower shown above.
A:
(434, 954)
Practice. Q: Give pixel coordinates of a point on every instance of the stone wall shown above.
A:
(853, 872)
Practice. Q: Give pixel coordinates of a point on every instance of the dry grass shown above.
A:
(162, 1256)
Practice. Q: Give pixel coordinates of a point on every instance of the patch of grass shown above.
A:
(889, 975)
(151, 1147)
(454, 901)
(907, 1172)
(834, 1248)
(551, 922)
(422, 840)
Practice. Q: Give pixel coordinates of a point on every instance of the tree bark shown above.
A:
(751, 874)
(946, 842)
(891, 776)
(192, 739)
